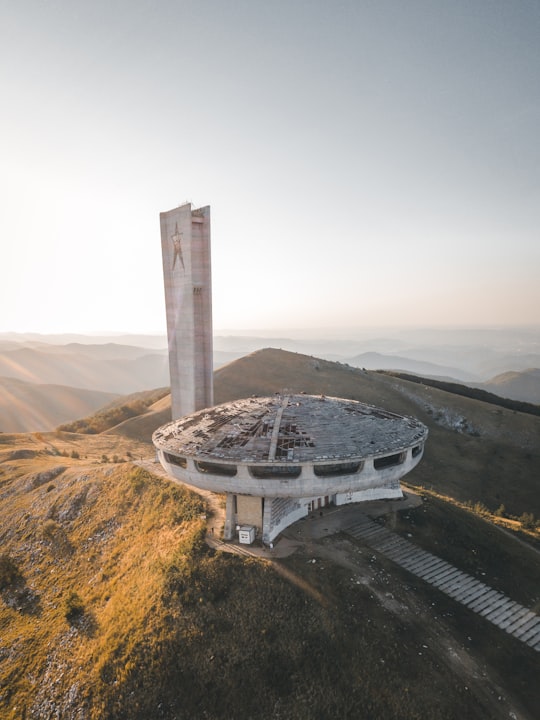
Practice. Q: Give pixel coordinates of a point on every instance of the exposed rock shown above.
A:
(40, 478)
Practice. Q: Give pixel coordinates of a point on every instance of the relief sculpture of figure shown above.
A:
(176, 238)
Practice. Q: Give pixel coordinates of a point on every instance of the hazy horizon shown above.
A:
(367, 164)
(475, 332)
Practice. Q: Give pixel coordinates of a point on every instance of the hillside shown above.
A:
(112, 606)
(114, 368)
(475, 452)
(125, 408)
(26, 406)
(524, 385)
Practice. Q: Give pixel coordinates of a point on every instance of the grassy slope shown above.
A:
(126, 407)
(475, 451)
(142, 426)
(171, 630)
(103, 531)
(26, 406)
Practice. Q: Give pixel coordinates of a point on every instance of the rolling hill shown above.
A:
(27, 407)
(379, 361)
(119, 369)
(524, 385)
(476, 452)
(112, 606)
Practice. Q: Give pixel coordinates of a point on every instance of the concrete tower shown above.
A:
(185, 244)
(276, 458)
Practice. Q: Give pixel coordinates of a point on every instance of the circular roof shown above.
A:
(288, 428)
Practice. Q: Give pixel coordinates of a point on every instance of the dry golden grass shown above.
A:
(101, 532)
(121, 611)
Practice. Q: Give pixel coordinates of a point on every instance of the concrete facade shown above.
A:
(281, 457)
(277, 459)
(185, 245)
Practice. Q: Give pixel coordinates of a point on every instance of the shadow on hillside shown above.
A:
(23, 599)
(85, 623)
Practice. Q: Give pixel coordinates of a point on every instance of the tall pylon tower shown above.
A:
(185, 245)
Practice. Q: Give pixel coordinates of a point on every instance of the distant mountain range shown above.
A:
(516, 385)
(378, 361)
(113, 366)
(29, 407)
(108, 367)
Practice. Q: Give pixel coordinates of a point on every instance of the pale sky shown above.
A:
(367, 162)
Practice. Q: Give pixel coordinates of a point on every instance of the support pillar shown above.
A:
(267, 521)
(228, 530)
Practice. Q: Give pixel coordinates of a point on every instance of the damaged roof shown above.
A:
(289, 428)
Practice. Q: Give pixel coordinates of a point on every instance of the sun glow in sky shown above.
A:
(367, 162)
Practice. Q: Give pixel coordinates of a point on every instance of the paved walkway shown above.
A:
(508, 615)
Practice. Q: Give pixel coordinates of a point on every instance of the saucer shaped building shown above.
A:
(279, 458)
(276, 458)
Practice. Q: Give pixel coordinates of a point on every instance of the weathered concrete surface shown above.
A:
(185, 245)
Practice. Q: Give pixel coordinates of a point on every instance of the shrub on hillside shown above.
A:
(51, 529)
(56, 537)
(108, 417)
(9, 572)
(73, 607)
(528, 521)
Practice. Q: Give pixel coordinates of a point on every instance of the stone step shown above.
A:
(486, 600)
(519, 620)
(533, 636)
(530, 630)
(513, 618)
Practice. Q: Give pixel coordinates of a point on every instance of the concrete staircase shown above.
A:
(506, 614)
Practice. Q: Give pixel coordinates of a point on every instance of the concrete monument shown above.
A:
(185, 244)
(277, 458)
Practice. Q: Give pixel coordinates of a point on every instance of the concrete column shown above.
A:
(267, 521)
(185, 245)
